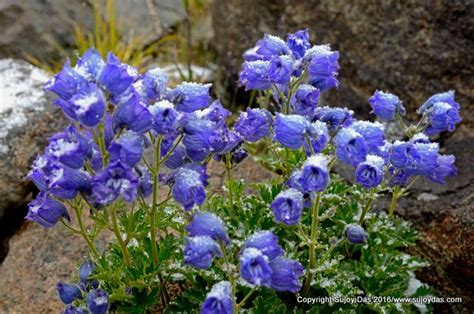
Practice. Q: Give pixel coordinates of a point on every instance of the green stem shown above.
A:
(229, 273)
(83, 232)
(228, 167)
(312, 243)
(393, 203)
(116, 230)
(101, 141)
(245, 299)
(367, 207)
(311, 149)
(154, 201)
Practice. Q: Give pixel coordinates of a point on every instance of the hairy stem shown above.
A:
(313, 241)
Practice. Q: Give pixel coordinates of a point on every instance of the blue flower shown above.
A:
(254, 124)
(69, 147)
(98, 301)
(266, 242)
(319, 136)
(188, 189)
(288, 206)
(323, 67)
(254, 75)
(444, 168)
(145, 179)
(446, 97)
(66, 83)
(333, 117)
(285, 274)
(90, 65)
(442, 117)
(290, 130)
(133, 115)
(421, 159)
(255, 267)
(386, 106)
(298, 43)
(86, 270)
(372, 132)
(117, 77)
(280, 69)
(46, 211)
(86, 106)
(215, 113)
(420, 138)
(117, 180)
(154, 83)
(314, 174)
(355, 234)
(177, 158)
(189, 97)
(68, 292)
(128, 148)
(369, 174)
(305, 100)
(223, 140)
(238, 155)
(403, 153)
(350, 146)
(197, 138)
(165, 117)
(272, 46)
(398, 176)
(200, 251)
(207, 224)
(71, 309)
(219, 300)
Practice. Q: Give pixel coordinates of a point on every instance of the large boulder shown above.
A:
(29, 24)
(27, 119)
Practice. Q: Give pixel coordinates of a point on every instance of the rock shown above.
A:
(27, 25)
(413, 49)
(27, 119)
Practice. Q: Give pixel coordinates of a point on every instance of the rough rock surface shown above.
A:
(38, 258)
(25, 28)
(27, 118)
(410, 48)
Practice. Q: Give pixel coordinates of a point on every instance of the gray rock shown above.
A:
(29, 24)
(27, 119)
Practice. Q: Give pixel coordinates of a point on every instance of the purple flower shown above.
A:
(442, 117)
(117, 77)
(145, 179)
(238, 155)
(223, 140)
(189, 97)
(46, 211)
(154, 83)
(86, 106)
(68, 292)
(272, 46)
(290, 130)
(446, 97)
(417, 159)
(255, 268)
(319, 136)
(403, 153)
(98, 301)
(133, 115)
(71, 309)
(69, 147)
(215, 113)
(285, 274)
(165, 117)
(305, 100)
(314, 174)
(323, 67)
(372, 132)
(219, 300)
(386, 106)
(177, 158)
(90, 65)
(288, 206)
(200, 251)
(333, 117)
(298, 43)
(197, 138)
(280, 69)
(207, 224)
(117, 180)
(254, 124)
(398, 176)
(266, 242)
(66, 83)
(128, 148)
(444, 168)
(254, 75)
(355, 234)
(420, 138)
(369, 174)
(350, 146)
(188, 189)
(85, 271)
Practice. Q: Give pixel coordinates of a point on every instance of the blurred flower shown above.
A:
(98, 301)
(68, 292)
(355, 234)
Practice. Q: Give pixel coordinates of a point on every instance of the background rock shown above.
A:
(29, 24)
(27, 119)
